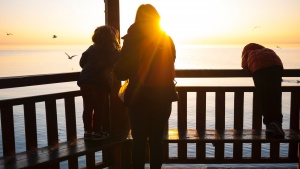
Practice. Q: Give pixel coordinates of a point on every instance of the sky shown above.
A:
(34, 22)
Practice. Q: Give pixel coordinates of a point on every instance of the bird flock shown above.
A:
(54, 36)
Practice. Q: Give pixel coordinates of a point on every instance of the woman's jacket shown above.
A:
(129, 66)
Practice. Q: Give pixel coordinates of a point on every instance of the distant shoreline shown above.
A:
(83, 46)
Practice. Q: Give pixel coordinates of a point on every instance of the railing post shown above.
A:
(52, 127)
(8, 134)
(118, 114)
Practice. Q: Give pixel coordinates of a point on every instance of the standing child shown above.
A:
(266, 68)
(95, 81)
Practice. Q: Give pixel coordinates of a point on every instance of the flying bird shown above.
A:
(9, 34)
(54, 36)
(256, 27)
(278, 47)
(70, 57)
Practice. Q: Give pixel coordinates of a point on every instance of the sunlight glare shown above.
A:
(183, 21)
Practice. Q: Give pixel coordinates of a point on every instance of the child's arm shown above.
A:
(84, 57)
(127, 63)
(83, 60)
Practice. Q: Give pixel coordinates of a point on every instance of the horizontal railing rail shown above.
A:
(32, 80)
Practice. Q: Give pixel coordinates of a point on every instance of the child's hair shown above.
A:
(147, 12)
(251, 46)
(106, 35)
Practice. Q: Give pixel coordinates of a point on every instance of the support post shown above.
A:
(119, 121)
(112, 13)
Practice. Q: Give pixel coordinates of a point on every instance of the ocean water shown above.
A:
(52, 59)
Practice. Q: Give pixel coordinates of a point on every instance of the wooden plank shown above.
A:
(216, 88)
(62, 95)
(220, 123)
(70, 115)
(220, 111)
(51, 119)
(175, 136)
(30, 126)
(230, 160)
(39, 98)
(182, 123)
(212, 73)
(248, 136)
(238, 110)
(238, 123)
(147, 156)
(274, 150)
(52, 127)
(238, 151)
(295, 110)
(60, 152)
(112, 17)
(31, 80)
(219, 151)
(182, 150)
(201, 123)
(201, 111)
(257, 116)
(293, 150)
(200, 150)
(90, 160)
(228, 136)
(227, 73)
(73, 162)
(182, 110)
(8, 132)
(256, 151)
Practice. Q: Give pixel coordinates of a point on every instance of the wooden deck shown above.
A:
(220, 168)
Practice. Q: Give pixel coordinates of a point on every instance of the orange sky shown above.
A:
(34, 22)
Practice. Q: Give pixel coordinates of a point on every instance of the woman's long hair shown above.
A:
(106, 35)
(147, 12)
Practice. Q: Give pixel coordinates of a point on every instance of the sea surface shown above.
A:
(35, 60)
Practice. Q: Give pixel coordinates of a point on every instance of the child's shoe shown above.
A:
(105, 134)
(274, 130)
(88, 135)
(98, 136)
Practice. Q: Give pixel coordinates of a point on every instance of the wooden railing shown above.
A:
(236, 137)
(182, 136)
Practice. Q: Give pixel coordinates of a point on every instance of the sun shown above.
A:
(185, 23)
(174, 31)
(207, 19)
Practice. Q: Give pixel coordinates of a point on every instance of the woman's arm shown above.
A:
(127, 63)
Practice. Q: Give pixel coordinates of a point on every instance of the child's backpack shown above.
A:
(156, 62)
